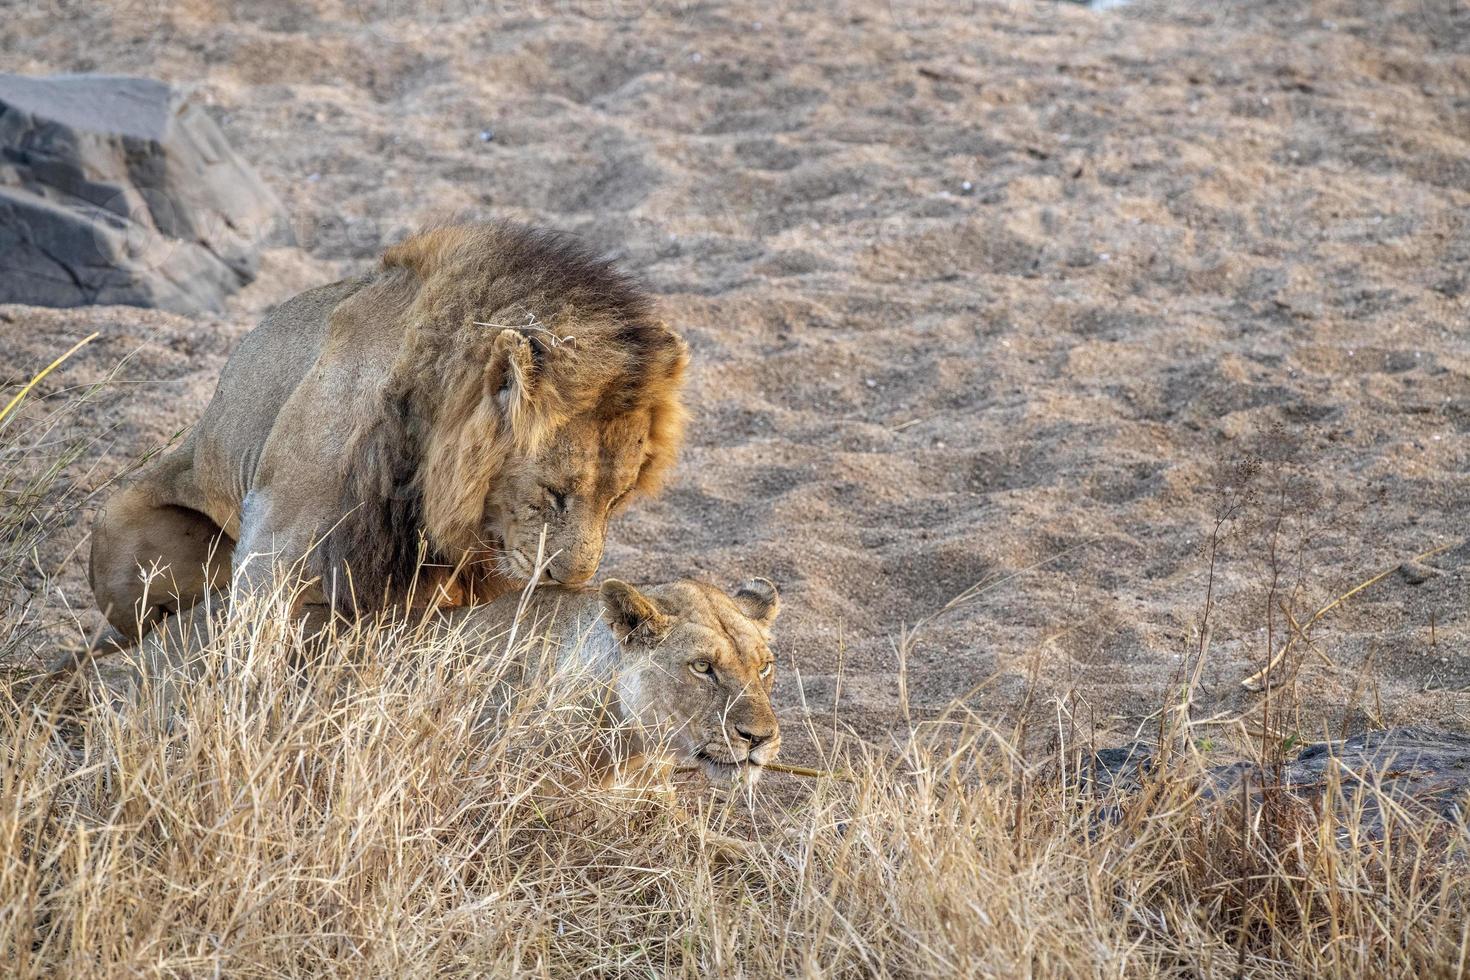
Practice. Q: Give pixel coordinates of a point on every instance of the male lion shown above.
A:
(485, 382)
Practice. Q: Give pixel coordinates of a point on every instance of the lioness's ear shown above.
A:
(759, 600)
(630, 614)
(511, 373)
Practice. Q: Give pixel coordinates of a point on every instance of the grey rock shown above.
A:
(1424, 771)
(123, 190)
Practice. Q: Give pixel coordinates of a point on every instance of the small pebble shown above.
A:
(486, 135)
(1417, 573)
(313, 178)
(966, 187)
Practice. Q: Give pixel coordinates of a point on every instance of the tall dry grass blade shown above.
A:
(26, 388)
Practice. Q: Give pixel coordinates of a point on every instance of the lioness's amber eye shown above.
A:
(701, 666)
(767, 669)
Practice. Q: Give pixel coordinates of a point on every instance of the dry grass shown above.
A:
(357, 819)
(388, 813)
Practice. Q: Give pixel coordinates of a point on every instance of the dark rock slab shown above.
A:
(123, 190)
(1423, 770)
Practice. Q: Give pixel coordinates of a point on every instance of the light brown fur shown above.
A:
(645, 646)
(417, 416)
(640, 647)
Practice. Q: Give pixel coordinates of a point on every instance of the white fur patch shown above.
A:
(256, 551)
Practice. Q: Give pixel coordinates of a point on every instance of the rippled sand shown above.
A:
(969, 285)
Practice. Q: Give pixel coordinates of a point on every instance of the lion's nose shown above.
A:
(573, 576)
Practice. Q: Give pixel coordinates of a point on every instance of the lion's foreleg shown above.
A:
(271, 553)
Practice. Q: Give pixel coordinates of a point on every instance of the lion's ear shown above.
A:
(511, 373)
(673, 352)
(760, 601)
(630, 613)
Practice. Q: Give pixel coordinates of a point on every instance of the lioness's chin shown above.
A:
(722, 773)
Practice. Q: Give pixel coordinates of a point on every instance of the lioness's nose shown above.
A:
(753, 738)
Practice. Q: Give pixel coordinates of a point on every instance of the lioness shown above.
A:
(688, 668)
(486, 381)
(685, 670)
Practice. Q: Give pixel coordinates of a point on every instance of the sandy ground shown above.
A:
(970, 286)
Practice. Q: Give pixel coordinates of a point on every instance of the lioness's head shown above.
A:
(550, 394)
(696, 672)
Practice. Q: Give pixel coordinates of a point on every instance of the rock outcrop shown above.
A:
(1422, 770)
(123, 190)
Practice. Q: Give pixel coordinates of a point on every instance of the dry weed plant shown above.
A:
(1274, 518)
(408, 806)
